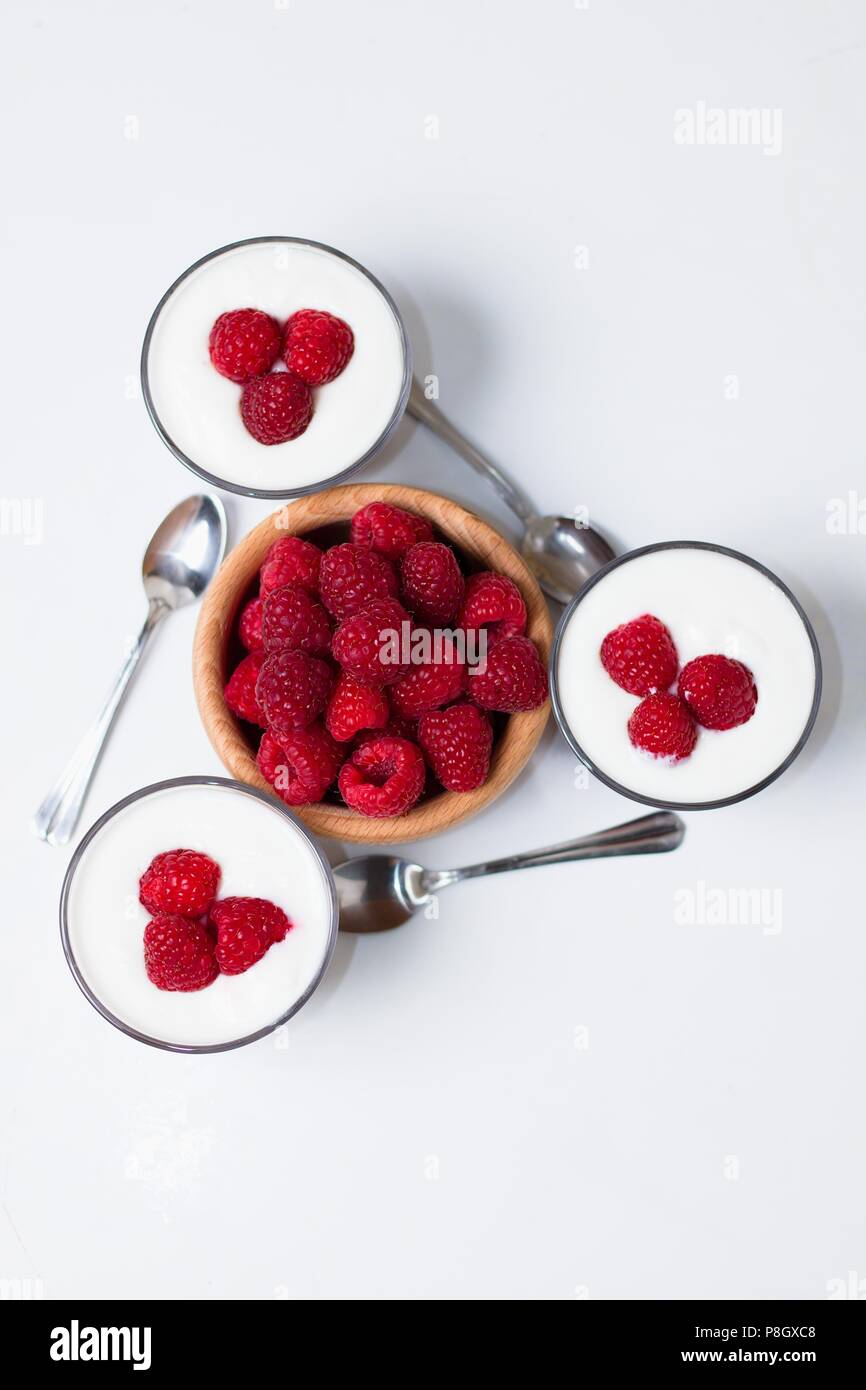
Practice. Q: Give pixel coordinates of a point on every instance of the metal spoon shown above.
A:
(378, 891)
(181, 559)
(562, 554)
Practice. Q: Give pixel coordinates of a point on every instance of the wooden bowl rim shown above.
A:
(216, 621)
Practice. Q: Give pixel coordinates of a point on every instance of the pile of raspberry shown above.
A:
(246, 344)
(334, 713)
(193, 936)
(714, 691)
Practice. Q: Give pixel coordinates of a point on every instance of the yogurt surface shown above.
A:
(262, 853)
(709, 602)
(200, 410)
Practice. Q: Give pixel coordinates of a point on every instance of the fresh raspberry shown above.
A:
(389, 530)
(178, 954)
(457, 742)
(300, 766)
(640, 656)
(245, 928)
(295, 620)
(179, 880)
(290, 560)
(432, 584)
(276, 408)
(244, 343)
(383, 778)
(317, 345)
(720, 692)
(430, 684)
(661, 725)
(493, 602)
(513, 679)
(350, 576)
(240, 692)
(293, 689)
(362, 641)
(353, 706)
(250, 625)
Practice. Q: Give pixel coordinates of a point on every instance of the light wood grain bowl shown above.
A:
(475, 541)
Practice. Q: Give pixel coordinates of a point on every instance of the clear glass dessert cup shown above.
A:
(281, 493)
(593, 765)
(100, 1004)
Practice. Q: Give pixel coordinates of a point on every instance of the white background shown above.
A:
(436, 1126)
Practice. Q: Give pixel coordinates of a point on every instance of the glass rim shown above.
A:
(81, 980)
(276, 494)
(579, 751)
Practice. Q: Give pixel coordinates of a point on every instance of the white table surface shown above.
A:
(554, 1091)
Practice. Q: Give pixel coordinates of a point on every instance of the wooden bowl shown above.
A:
(475, 541)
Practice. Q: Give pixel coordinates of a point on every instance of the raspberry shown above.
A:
(493, 602)
(720, 692)
(300, 766)
(293, 689)
(244, 343)
(290, 560)
(360, 642)
(250, 625)
(389, 530)
(245, 928)
(295, 620)
(276, 408)
(240, 692)
(355, 706)
(430, 684)
(179, 880)
(178, 954)
(661, 725)
(514, 678)
(640, 656)
(350, 576)
(432, 583)
(383, 778)
(317, 345)
(457, 742)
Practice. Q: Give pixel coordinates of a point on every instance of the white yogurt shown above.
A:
(199, 410)
(263, 854)
(710, 603)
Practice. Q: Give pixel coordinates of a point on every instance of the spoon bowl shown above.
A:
(563, 555)
(185, 551)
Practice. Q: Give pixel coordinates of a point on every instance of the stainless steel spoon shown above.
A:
(562, 554)
(181, 559)
(378, 891)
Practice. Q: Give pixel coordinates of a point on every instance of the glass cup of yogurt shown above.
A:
(196, 411)
(712, 600)
(264, 852)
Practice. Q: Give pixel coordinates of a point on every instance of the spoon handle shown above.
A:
(430, 415)
(654, 834)
(58, 815)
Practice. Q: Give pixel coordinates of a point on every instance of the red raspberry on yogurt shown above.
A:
(662, 726)
(720, 692)
(179, 954)
(640, 656)
(244, 344)
(317, 346)
(277, 407)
